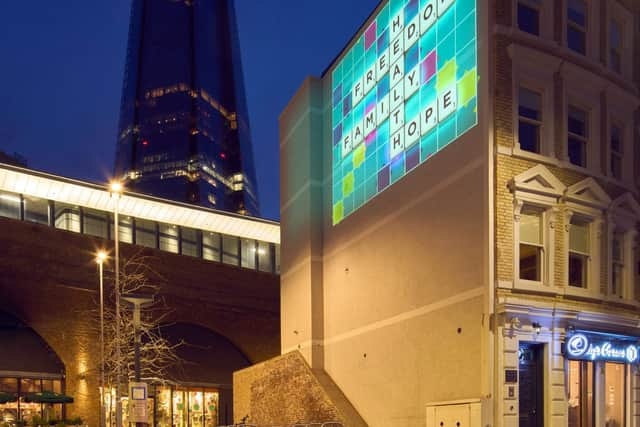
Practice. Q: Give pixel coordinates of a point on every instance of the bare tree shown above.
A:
(157, 354)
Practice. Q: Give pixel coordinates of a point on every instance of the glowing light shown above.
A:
(101, 256)
(145, 142)
(581, 346)
(115, 187)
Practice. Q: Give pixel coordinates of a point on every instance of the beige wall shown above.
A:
(393, 301)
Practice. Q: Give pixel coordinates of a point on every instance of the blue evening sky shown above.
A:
(62, 65)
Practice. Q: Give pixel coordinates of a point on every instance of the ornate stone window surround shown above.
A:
(622, 218)
(536, 188)
(587, 201)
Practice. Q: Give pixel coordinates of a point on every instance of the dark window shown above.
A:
(230, 250)
(577, 26)
(530, 119)
(211, 246)
(615, 46)
(529, 16)
(264, 257)
(616, 152)
(95, 223)
(577, 136)
(146, 233)
(189, 239)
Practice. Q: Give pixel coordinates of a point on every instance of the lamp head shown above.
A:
(115, 187)
(101, 256)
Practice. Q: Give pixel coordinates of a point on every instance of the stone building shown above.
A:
(459, 215)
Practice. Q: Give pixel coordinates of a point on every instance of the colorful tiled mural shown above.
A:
(406, 89)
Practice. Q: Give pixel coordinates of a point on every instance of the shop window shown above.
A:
(531, 245)
(248, 253)
(615, 46)
(179, 408)
(168, 238)
(579, 252)
(577, 26)
(125, 229)
(10, 205)
(581, 393)
(615, 397)
(529, 119)
(529, 16)
(211, 246)
(264, 257)
(189, 242)
(163, 406)
(146, 233)
(616, 151)
(210, 408)
(36, 210)
(67, 217)
(230, 250)
(577, 126)
(196, 408)
(95, 223)
(617, 263)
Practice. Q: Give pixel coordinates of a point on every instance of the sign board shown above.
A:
(582, 345)
(138, 393)
(404, 90)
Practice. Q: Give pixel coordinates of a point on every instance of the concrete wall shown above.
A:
(393, 301)
(49, 279)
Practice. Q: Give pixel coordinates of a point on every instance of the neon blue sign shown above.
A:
(585, 346)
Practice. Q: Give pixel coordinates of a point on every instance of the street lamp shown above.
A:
(138, 301)
(116, 189)
(101, 256)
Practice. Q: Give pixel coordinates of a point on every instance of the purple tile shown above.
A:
(370, 36)
(383, 178)
(413, 157)
(337, 95)
(337, 134)
(346, 106)
(428, 67)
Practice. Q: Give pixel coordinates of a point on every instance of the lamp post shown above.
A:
(115, 188)
(101, 256)
(138, 301)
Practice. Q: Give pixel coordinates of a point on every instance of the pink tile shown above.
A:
(428, 67)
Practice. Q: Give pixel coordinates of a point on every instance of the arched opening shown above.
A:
(197, 391)
(27, 366)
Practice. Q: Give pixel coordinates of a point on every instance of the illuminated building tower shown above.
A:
(184, 130)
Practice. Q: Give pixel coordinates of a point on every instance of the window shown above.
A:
(531, 245)
(617, 263)
(211, 246)
(529, 119)
(529, 16)
(189, 242)
(278, 260)
(95, 223)
(264, 257)
(230, 250)
(581, 394)
(67, 217)
(168, 237)
(10, 205)
(36, 210)
(579, 251)
(615, 46)
(615, 394)
(616, 152)
(125, 229)
(248, 253)
(577, 126)
(146, 233)
(577, 26)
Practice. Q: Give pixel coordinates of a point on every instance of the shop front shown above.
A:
(17, 405)
(176, 406)
(599, 378)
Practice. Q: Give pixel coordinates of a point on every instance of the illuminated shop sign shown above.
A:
(405, 89)
(586, 346)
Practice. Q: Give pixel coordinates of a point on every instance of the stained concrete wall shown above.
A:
(48, 279)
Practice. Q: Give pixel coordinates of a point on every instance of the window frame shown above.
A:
(620, 155)
(539, 123)
(586, 256)
(576, 26)
(584, 139)
(531, 4)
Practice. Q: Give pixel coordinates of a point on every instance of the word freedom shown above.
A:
(404, 84)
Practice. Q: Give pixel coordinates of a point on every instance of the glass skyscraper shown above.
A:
(184, 129)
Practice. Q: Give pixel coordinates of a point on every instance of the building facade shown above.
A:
(460, 247)
(217, 282)
(184, 130)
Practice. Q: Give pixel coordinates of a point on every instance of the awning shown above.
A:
(47, 397)
(8, 397)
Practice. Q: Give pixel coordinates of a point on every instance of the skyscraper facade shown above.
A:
(184, 129)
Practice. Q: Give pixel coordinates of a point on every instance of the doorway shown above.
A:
(531, 385)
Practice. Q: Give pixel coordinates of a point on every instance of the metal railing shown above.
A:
(312, 424)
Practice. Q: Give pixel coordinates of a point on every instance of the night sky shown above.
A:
(62, 67)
